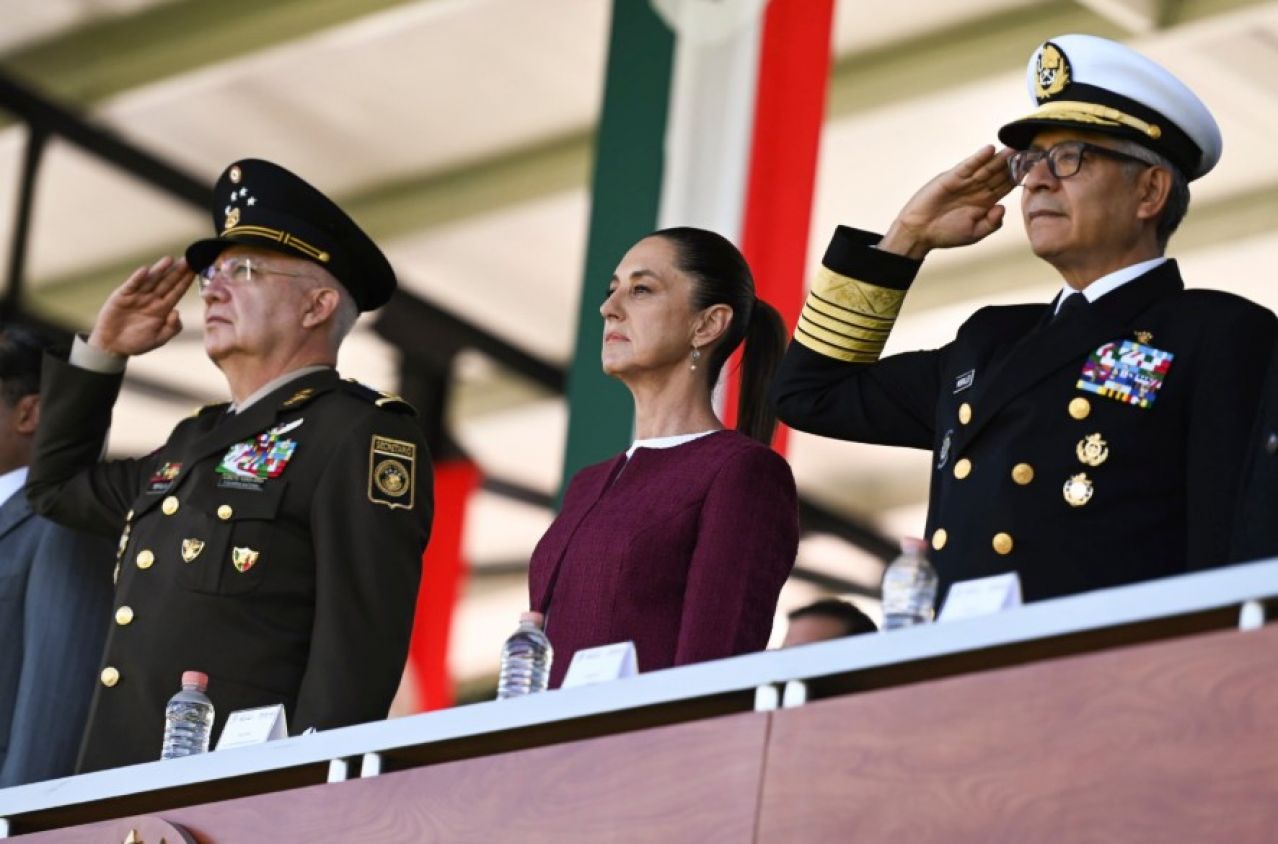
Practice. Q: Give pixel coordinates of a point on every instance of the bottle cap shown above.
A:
(195, 678)
(913, 545)
(534, 617)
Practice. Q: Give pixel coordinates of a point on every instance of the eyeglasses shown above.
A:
(1063, 160)
(238, 271)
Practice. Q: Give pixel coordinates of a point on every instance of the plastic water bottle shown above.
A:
(525, 659)
(188, 719)
(909, 587)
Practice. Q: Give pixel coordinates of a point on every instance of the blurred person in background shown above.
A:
(1090, 442)
(828, 618)
(680, 544)
(55, 593)
(274, 542)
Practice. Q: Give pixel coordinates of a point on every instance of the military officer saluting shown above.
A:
(273, 543)
(1091, 442)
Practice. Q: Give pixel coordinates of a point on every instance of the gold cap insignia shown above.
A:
(1092, 450)
(1078, 490)
(1051, 72)
(1144, 337)
(235, 174)
(244, 558)
(392, 471)
(191, 549)
(232, 218)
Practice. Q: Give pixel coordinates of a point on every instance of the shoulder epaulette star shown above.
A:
(386, 401)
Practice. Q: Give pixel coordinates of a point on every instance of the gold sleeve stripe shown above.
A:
(843, 318)
(836, 338)
(833, 311)
(857, 296)
(847, 319)
(831, 351)
(843, 329)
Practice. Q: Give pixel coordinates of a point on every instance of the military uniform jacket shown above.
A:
(1083, 452)
(277, 550)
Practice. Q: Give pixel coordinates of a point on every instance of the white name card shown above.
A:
(601, 664)
(983, 596)
(254, 726)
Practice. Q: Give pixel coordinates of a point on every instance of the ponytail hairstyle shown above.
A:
(721, 276)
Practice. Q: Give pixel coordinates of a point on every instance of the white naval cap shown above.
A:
(1098, 85)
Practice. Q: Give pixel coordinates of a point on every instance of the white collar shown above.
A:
(666, 442)
(11, 482)
(273, 385)
(1110, 282)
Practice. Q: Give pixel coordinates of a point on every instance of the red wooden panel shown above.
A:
(1174, 741)
(694, 782)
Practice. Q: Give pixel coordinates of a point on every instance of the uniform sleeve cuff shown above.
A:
(853, 253)
(85, 356)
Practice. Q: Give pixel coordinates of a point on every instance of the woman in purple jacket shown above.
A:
(682, 543)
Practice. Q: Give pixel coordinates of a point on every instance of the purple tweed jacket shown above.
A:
(683, 550)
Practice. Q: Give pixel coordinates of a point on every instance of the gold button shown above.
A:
(145, 559)
(965, 413)
(1079, 407)
(963, 468)
(938, 538)
(1022, 473)
(225, 512)
(109, 676)
(123, 615)
(1002, 543)
(170, 505)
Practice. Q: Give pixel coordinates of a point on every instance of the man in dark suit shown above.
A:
(273, 543)
(1091, 442)
(55, 594)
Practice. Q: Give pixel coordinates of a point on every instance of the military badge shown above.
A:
(1092, 450)
(1051, 72)
(248, 464)
(244, 558)
(1078, 490)
(298, 397)
(944, 456)
(191, 549)
(392, 472)
(1129, 372)
(964, 381)
(163, 478)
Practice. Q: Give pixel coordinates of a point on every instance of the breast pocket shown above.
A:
(232, 550)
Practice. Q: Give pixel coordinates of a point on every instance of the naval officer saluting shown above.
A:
(1091, 442)
(273, 543)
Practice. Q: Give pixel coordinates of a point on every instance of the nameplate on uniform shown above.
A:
(1129, 372)
(982, 596)
(254, 726)
(602, 664)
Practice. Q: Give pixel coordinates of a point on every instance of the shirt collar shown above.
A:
(12, 482)
(1111, 282)
(273, 385)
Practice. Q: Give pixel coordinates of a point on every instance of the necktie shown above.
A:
(1073, 305)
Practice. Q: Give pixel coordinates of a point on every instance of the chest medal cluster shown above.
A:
(1127, 371)
(1131, 372)
(248, 464)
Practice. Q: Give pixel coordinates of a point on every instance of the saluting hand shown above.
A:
(957, 208)
(141, 314)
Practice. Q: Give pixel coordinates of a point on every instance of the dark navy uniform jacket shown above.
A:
(277, 550)
(1082, 452)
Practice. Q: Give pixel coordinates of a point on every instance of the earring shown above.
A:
(696, 356)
